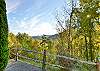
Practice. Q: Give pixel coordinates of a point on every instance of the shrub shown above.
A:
(3, 36)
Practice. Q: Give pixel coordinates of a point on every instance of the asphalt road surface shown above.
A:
(21, 66)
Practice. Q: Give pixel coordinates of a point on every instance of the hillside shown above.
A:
(49, 36)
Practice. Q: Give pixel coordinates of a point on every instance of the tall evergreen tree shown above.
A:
(3, 36)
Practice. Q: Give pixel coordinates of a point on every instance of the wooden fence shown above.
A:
(44, 62)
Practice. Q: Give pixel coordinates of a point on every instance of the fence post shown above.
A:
(44, 61)
(98, 63)
(16, 57)
(98, 66)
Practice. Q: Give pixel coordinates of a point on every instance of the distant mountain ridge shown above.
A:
(55, 36)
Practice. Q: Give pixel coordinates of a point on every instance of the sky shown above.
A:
(34, 17)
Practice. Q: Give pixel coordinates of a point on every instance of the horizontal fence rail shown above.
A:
(27, 58)
(29, 51)
(44, 62)
(73, 59)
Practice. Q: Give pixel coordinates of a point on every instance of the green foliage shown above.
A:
(79, 39)
(24, 40)
(12, 43)
(3, 36)
(88, 21)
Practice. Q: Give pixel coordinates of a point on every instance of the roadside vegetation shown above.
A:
(79, 39)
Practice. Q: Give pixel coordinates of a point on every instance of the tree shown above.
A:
(88, 20)
(3, 36)
(25, 40)
(12, 43)
(80, 30)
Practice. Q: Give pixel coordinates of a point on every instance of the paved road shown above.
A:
(21, 66)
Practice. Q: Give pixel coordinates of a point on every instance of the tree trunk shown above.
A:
(86, 49)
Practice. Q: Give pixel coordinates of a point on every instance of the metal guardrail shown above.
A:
(44, 62)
